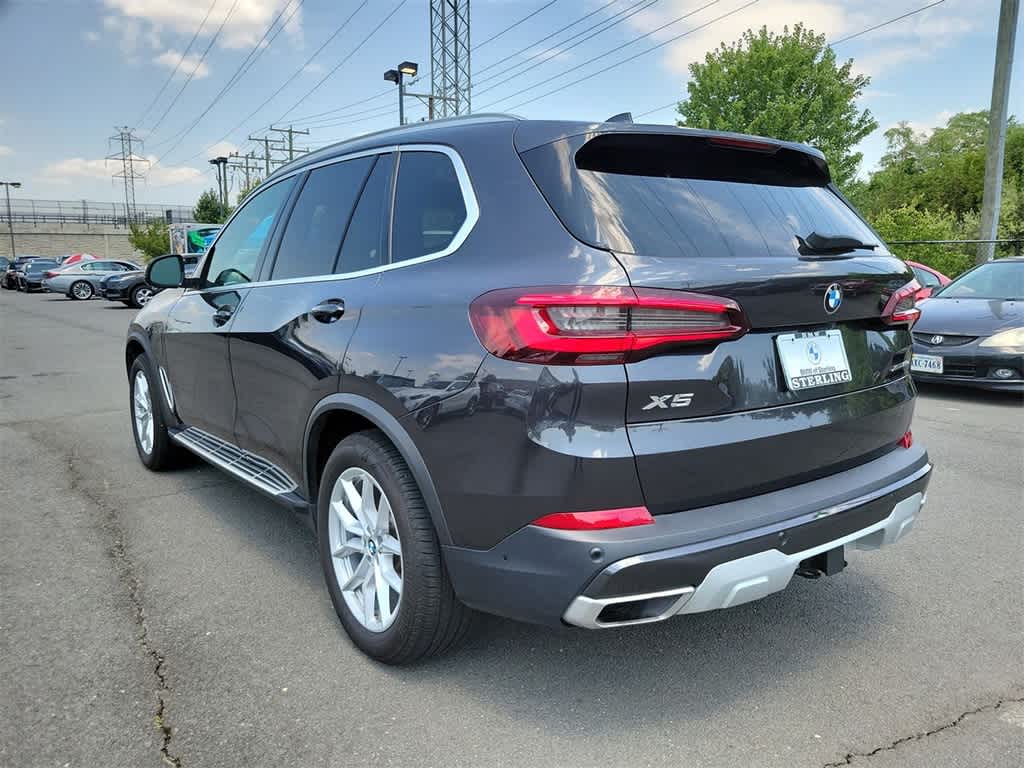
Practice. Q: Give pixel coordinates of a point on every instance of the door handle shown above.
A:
(328, 311)
(222, 315)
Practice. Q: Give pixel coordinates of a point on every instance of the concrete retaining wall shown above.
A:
(101, 240)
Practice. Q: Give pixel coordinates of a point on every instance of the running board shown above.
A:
(242, 464)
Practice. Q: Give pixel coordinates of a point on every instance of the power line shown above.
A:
(196, 67)
(348, 56)
(546, 37)
(236, 77)
(512, 26)
(832, 44)
(886, 23)
(177, 64)
(641, 53)
(560, 48)
(292, 77)
(608, 53)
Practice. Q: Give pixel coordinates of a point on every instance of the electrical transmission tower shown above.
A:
(450, 81)
(122, 148)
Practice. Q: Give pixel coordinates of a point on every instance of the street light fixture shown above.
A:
(396, 76)
(10, 219)
(222, 182)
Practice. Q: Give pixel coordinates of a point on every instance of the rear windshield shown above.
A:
(669, 195)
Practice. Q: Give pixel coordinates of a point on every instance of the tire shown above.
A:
(81, 290)
(141, 296)
(427, 415)
(21, 287)
(156, 450)
(427, 618)
(471, 406)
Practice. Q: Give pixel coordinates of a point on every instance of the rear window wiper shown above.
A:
(817, 244)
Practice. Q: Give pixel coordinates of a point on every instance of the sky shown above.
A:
(176, 72)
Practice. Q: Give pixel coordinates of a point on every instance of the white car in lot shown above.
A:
(82, 280)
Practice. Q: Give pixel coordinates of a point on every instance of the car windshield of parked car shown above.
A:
(39, 265)
(1000, 281)
(437, 384)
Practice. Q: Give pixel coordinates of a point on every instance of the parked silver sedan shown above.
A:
(82, 280)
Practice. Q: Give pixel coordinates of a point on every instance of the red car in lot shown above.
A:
(929, 278)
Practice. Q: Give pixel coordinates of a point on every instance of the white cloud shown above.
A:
(185, 65)
(220, 148)
(90, 36)
(5, 151)
(245, 26)
(69, 170)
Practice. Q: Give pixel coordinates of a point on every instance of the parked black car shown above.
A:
(693, 405)
(30, 277)
(971, 331)
(129, 288)
(10, 279)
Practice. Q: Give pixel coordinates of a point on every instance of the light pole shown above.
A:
(10, 219)
(396, 76)
(222, 182)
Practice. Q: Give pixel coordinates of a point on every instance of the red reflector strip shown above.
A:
(907, 440)
(597, 520)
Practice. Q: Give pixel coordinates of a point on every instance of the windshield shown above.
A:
(437, 384)
(39, 265)
(1003, 281)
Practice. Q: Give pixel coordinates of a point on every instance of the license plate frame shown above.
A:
(813, 359)
(932, 364)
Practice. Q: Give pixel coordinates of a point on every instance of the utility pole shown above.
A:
(222, 178)
(243, 161)
(10, 219)
(127, 141)
(995, 148)
(291, 149)
(265, 141)
(450, 71)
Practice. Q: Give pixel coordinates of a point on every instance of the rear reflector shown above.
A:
(900, 309)
(593, 325)
(600, 519)
(907, 440)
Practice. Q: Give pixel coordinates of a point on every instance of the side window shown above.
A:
(926, 278)
(429, 208)
(366, 243)
(237, 253)
(312, 237)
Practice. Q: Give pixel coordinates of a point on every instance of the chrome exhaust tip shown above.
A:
(627, 610)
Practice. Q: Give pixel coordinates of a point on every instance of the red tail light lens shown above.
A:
(907, 440)
(900, 309)
(594, 325)
(597, 520)
(51, 273)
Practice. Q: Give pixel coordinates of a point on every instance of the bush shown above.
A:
(911, 223)
(151, 240)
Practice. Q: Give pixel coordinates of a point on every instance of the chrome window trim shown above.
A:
(468, 198)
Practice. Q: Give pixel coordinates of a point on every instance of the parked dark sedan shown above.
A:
(971, 332)
(130, 288)
(31, 276)
(9, 279)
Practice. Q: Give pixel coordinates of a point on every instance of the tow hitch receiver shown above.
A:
(828, 563)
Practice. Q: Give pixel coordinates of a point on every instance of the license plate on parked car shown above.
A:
(926, 363)
(813, 359)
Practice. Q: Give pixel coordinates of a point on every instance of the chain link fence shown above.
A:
(24, 211)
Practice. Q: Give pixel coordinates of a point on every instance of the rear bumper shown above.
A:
(692, 561)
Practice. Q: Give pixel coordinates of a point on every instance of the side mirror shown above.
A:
(166, 272)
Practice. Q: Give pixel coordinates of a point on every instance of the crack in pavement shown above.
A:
(128, 575)
(851, 756)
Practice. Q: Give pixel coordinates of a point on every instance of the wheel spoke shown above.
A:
(354, 501)
(383, 513)
(387, 570)
(348, 522)
(383, 592)
(369, 509)
(354, 546)
(389, 545)
(359, 575)
(368, 598)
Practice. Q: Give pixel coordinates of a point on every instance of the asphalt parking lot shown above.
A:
(180, 618)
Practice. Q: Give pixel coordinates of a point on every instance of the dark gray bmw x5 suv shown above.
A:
(596, 374)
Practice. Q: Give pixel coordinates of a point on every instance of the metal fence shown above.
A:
(24, 211)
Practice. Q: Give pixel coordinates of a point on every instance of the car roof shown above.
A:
(528, 135)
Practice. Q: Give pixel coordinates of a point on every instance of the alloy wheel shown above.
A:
(82, 290)
(366, 549)
(143, 412)
(143, 295)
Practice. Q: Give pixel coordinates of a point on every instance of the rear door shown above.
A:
(818, 383)
(289, 338)
(195, 338)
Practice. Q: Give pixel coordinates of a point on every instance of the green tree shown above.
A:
(908, 222)
(247, 189)
(788, 86)
(209, 209)
(151, 240)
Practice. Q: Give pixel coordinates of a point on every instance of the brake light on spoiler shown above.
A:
(598, 325)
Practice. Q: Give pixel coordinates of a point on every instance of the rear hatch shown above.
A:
(818, 383)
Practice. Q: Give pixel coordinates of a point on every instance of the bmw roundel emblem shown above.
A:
(833, 298)
(813, 353)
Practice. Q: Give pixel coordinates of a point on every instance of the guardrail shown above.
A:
(24, 211)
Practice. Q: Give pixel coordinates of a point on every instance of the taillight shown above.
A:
(594, 325)
(907, 440)
(900, 309)
(51, 273)
(597, 520)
